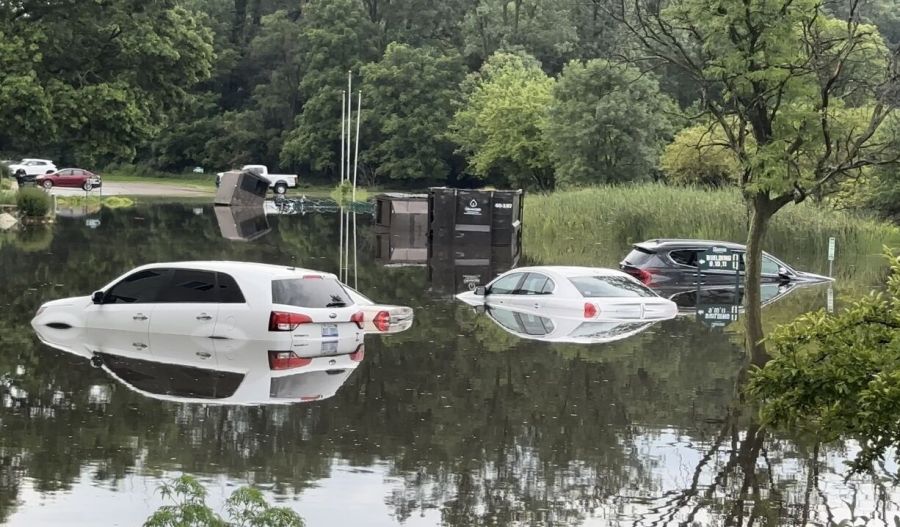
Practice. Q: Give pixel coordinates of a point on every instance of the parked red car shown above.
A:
(69, 177)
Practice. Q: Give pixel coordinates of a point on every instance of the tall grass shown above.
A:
(597, 226)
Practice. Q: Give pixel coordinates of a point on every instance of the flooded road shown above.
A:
(456, 421)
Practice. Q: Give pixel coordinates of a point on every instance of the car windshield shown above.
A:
(609, 287)
(310, 292)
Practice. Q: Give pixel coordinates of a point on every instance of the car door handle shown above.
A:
(139, 345)
(536, 305)
(204, 316)
(203, 354)
(139, 316)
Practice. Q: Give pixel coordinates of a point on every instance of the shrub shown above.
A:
(33, 202)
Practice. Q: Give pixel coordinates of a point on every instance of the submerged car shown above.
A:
(69, 178)
(674, 262)
(382, 318)
(297, 308)
(580, 294)
(209, 371)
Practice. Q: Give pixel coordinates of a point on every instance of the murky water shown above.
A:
(455, 421)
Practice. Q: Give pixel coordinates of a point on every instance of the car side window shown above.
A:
(535, 325)
(138, 288)
(228, 290)
(506, 285)
(506, 318)
(534, 284)
(770, 266)
(66, 173)
(190, 286)
(686, 257)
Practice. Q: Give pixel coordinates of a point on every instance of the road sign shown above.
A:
(831, 244)
(717, 315)
(719, 259)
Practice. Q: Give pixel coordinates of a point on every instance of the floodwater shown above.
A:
(455, 421)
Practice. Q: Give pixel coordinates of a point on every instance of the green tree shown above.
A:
(336, 37)
(700, 155)
(246, 507)
(778, 77)
(411, 93)
(109, 73)
(608, 123)
(541, 28)
(839, 375)
(500, 126)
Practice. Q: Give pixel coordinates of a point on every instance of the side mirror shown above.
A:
(480, 291)
(97, 297)
(783, 273)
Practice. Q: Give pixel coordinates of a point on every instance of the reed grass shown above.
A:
(597, 226)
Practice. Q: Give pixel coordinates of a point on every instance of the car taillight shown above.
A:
(286, 360)
(359, 354)
(283, 321)
(643, 275)
(382, 321)
(590, 310)
(359, 318)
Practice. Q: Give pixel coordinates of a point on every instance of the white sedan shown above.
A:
(589, 298)
(297, 308)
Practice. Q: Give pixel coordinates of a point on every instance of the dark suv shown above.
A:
(672, 263)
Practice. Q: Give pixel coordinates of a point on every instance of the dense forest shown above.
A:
(538, 93)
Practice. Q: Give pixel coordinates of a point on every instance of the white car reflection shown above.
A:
(530, 325)
(188, 369)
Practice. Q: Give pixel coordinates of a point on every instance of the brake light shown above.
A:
(643, 275)
(359, 318)
(283, 321)
(286, 360)
(359, 354)
(382, 321)
(590, 310)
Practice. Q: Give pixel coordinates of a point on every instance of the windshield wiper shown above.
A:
(336, 304)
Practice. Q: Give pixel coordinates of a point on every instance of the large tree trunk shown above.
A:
(760, 213)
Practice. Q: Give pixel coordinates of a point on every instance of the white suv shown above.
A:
(295, 310)
(28, 169)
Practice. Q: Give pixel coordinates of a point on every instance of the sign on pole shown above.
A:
(829, 300)
(718, 315)
(831, 244)
(719, 259)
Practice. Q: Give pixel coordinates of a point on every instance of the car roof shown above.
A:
(275, 271)
(670, 243)
(36, 159)
(570, 271)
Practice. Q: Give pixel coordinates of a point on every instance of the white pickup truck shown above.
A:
(277, 182)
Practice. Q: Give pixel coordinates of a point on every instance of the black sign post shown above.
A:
(719, 259)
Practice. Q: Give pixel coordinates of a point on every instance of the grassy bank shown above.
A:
(597, 226)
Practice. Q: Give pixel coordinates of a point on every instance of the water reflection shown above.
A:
(454, 421)
(558, 329)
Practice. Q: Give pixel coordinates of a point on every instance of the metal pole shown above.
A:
(343, 111)
(349, 116)
(341, 240)
(355, 277)
(356, 154)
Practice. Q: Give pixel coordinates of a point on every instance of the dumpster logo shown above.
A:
(473, 209)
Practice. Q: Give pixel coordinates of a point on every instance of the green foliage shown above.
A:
(410, 95)
(8, 197)
(33, 202)
(608, 123)
(501, 123)
(246, 507)
(336, 38)
(109, 74)
(839, 374)
(699, 155)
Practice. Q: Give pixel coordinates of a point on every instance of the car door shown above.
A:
(69, 178)
(63, 178)
(235, 320)
(502, 291)
(535, 293)
(187, 305)
(122, 320)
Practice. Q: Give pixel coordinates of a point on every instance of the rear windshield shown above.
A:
(310, 292)
(313, 385)
(638, 256)
(609, 287)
